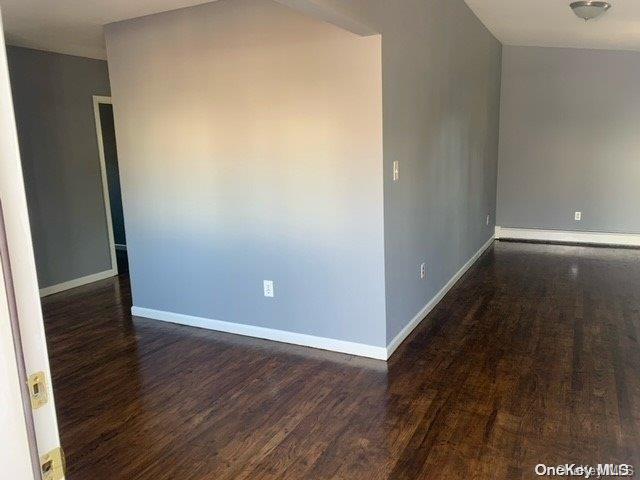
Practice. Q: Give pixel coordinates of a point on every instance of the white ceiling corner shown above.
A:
(551, 23)
(71, 26)
(76, 27)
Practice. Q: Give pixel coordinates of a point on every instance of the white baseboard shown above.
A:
(78, 282)
(406, 331)
(322, 343)
(594, 238)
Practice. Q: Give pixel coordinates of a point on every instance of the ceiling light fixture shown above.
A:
(588, 10)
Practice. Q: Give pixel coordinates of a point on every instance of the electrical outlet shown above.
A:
(423, 271)
(488, 219)
(396, 171)
(268, 288)
(578, 216)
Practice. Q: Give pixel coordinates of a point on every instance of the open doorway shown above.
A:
(106, 134)
(65, 228)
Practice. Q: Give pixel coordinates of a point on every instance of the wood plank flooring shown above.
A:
(532, 358)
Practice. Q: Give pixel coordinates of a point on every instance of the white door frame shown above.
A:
(17, 428)
(97, 100)
(25, 297)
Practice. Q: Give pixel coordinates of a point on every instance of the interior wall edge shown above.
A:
(424, 311)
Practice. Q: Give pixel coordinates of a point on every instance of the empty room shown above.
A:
(319, 239)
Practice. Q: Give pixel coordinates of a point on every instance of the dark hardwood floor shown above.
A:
(532, 358)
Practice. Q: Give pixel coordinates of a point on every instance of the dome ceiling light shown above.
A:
(588, 10)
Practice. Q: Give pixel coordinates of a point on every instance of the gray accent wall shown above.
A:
(250, 149)
(182, 100)
(52, 96)
(570, 140)
(441, 91)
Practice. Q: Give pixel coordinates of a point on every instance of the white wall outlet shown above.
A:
(423, 271)
(268, 288)
(488, 219)
(396, 171)
(578, 216)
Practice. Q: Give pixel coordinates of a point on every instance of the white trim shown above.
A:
(77, 282)
(97, 100)
(597, 238)
(415, 321)
(323, 343)
(25, 300)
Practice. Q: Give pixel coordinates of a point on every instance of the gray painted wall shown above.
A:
(52, 95)
(570, 140)
(441, 90)
(250, 148)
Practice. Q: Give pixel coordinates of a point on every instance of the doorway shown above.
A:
(106, 134)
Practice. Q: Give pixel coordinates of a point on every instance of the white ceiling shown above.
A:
(551, 23)
(74, 26)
